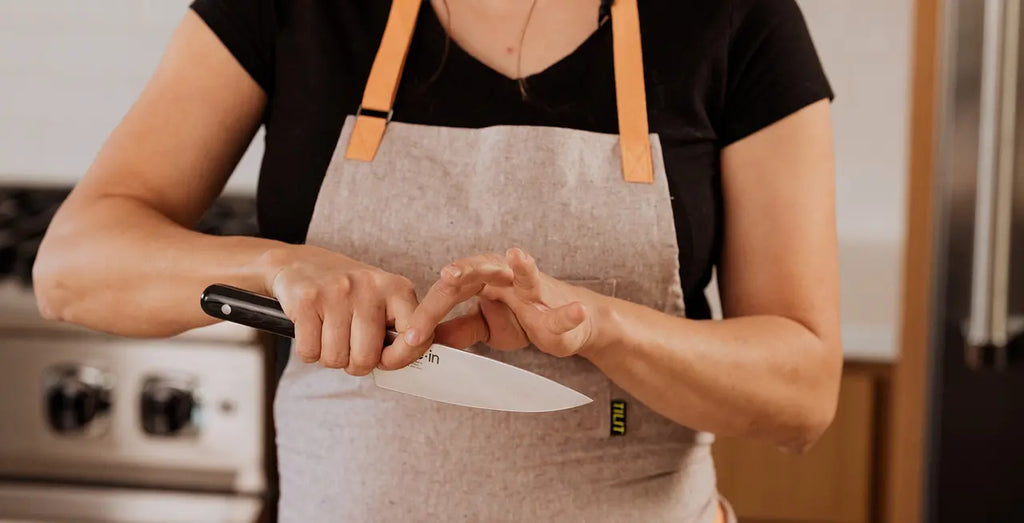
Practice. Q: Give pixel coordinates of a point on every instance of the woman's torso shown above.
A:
(321, 56)
(705, 63)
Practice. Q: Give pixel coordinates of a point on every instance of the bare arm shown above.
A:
(771, 369)
(120, 255)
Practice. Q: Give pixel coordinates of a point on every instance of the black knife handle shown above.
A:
(246, 308)
(254, 310)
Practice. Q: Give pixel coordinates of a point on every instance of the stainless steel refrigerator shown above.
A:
(975, 453)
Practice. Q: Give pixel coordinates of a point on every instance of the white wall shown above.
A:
(69, 70)
(865, 46)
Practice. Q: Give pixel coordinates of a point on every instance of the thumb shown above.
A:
(565, 318)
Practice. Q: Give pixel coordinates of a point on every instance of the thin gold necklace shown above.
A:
(522, 40)
(519, 58)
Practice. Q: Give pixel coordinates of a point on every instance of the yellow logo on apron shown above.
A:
(618, 427)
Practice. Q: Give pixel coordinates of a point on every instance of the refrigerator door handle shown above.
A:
(988, 333)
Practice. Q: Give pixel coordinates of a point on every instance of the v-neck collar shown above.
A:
(570, 60)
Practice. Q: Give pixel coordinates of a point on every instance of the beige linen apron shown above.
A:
(349, 451)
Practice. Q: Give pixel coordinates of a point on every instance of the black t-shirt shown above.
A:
(716, 71)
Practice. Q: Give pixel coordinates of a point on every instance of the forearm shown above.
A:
(117, 265)
(762, 377)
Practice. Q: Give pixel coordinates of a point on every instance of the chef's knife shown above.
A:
(442, 374)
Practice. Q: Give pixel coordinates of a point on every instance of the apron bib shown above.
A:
(349, 451)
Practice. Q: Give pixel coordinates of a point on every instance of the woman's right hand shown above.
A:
(341, 307)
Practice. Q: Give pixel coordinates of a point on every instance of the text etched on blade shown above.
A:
(429, 357)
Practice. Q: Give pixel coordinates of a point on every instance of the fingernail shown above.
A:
(453, 271)
(410, 337)
(492, 267)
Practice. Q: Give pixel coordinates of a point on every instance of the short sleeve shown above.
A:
(773, 68)
(248, 28)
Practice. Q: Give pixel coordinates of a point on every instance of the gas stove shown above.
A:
(25, 213)
(121, 427)
(24, 216)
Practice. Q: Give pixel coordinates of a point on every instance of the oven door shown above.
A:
(50, 502)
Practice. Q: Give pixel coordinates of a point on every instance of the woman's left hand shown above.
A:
(516, 305)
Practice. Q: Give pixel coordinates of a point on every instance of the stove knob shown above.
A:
(167, 408)
(76, 399)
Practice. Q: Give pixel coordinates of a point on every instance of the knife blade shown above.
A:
(442, 374)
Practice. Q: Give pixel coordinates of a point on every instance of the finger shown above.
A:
(501, 294)
(482, 265)
(565, 318)
(399, 354)
(458, 282)
(526, 277)
(464, 331)
(335, 338)
(367, 338)
(303, 313)
(401, 307)
(505, 331)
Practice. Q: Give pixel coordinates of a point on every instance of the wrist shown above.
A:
(271, 262)
(606, 329)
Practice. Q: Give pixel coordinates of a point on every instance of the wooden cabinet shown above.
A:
(831, 482)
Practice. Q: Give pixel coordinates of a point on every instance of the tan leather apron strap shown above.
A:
(382, 84)
(631, 94)
(630, 91)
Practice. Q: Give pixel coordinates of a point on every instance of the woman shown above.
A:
(516, 181)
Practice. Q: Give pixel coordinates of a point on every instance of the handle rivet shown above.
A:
(225, 309)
